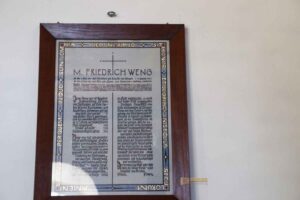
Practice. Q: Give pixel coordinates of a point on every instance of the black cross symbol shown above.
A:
(112, 60)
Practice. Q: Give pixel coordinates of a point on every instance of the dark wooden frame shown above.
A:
(49, 33)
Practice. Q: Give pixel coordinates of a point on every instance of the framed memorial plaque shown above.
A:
(112, 113)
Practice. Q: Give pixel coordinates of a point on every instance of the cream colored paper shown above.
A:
(112, 118)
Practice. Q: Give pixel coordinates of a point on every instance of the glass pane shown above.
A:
(112, 131)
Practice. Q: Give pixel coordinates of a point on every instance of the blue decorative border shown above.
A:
(60, 113)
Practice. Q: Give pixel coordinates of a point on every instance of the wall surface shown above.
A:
(243, 89)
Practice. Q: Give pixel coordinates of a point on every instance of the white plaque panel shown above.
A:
(112, 130)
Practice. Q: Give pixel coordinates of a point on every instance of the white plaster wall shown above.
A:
(243, 59)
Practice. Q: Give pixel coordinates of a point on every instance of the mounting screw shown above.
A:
(111, 13)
